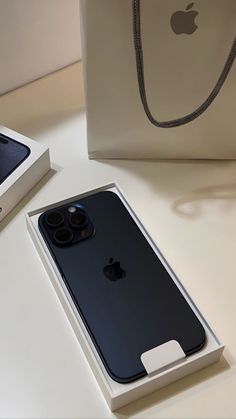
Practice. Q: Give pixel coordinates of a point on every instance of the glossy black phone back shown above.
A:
(128, 301)
(12, 154)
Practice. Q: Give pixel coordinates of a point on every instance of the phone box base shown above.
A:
(164, 364)
(26, 175)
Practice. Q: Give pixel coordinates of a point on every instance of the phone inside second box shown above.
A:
(127, 299)
(12, 155)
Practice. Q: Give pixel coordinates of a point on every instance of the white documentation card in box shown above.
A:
(26, 169)
(165, 363)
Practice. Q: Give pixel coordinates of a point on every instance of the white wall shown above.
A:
(36, 38)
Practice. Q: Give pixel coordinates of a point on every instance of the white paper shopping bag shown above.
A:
(160, 78)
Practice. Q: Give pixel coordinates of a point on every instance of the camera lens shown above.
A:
(63, 235)
(54, 219)
(78, 220)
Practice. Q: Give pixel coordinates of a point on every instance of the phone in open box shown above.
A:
(126, 298)
(12, 154)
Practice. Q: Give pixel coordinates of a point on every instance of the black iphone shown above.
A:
(12, 154)
(128, 301)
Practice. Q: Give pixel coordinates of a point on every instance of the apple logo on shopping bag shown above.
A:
(183, 22)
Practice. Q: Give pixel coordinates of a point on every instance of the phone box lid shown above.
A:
(26, 174)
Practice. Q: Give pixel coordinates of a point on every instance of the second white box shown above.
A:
(163, 364)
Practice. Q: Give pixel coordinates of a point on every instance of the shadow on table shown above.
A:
(27, 198)
(220, 192)
(203, 376)
(186, 184)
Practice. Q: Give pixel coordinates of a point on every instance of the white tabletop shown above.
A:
(189, 208)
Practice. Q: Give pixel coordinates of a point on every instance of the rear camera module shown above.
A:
(54, 219)
(63, 236)
(78, 220)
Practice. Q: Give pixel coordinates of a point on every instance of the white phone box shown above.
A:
(26, 175)
(164, 364)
